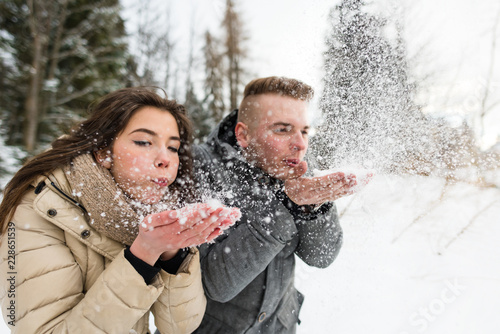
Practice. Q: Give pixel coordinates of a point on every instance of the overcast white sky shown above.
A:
(287, 38)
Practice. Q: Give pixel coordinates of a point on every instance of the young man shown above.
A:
(253, 160)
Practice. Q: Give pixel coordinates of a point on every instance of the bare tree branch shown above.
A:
(478, 214)
(489, 75)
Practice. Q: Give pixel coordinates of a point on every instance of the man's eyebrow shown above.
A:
(152, 133)
(287, 124)
(281, 124)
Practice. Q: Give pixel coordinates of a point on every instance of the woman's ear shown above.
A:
(103, 158)
(241, 133)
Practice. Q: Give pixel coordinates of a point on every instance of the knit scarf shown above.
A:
(110, 210)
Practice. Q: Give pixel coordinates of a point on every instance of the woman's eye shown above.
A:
(142, 143)
(173, 149)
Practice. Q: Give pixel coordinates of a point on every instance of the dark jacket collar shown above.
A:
(223, 140)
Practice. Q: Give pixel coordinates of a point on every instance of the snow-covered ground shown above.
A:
(415, 260)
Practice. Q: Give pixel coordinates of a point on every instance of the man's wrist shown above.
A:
(303, 212)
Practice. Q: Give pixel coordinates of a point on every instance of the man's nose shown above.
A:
(299, 143)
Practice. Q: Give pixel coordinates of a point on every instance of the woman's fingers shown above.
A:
(220, 218)
(211, 227)
(189, 226)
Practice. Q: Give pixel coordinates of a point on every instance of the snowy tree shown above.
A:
(212, 107)
(10, 160)
(369, 116)
(235, 53)
(153, 49)
(58, 56)
(191, 101)
(224, 71)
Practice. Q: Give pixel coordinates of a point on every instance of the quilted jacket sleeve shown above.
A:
(181, 306)
(50, 295)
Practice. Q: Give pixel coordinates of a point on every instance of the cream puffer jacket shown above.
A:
(68, 278)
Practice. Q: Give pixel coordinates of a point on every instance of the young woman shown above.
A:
(95, 230)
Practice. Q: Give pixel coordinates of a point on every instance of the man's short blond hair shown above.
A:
(281, 86)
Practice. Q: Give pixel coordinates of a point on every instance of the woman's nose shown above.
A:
(162, 160)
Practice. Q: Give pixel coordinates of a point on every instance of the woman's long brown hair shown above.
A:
(108, 117)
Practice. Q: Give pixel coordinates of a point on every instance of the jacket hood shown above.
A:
(223, 138)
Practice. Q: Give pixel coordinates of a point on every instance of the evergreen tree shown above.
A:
(369, 117)
(212, 107)
(224, 74)
(191, 101)
(61, 56)
(235, 53)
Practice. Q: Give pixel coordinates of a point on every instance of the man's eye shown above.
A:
(142, 143)
(283, 129)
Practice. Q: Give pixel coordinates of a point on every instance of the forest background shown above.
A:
(394, 89)
(410, 89)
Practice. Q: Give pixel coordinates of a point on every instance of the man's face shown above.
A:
(277, 134)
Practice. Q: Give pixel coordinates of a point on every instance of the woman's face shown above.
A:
(144, 158)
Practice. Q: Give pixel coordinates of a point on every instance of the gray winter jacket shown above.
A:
(248, 273)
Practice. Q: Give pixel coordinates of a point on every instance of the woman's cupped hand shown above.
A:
(163, 234)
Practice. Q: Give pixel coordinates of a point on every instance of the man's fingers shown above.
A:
(333, 191)
(332, 184)
(318, 181)
(329, 178)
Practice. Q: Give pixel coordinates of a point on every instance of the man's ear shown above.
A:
(103, 158)
(241, 133)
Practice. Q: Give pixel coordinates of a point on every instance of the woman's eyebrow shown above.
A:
(149, 132)
(152, 133)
